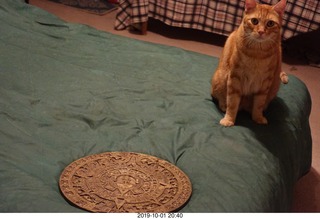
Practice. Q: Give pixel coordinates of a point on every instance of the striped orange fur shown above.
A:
(249, 72)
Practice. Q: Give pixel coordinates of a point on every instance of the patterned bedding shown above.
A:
(216, 16)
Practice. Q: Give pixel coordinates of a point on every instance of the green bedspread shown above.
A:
(68, 90)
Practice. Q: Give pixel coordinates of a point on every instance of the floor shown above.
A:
(307, 190)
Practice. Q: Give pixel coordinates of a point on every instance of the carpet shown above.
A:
(99, 7)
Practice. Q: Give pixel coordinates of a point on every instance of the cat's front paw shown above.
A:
(226, 122)
(261, 120)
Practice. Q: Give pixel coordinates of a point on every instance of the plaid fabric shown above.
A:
(301, 16)
(131, 12)
(216, 16)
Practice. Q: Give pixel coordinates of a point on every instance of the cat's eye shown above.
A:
(254, 21)
(270, 23)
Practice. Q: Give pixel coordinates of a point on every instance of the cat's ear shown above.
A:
(280, 7)
(250, 5)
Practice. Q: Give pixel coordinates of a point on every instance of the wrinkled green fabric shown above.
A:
(68, 90)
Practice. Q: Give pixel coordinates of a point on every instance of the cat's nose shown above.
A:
(261, 31)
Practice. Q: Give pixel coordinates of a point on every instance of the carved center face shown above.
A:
(126, 182)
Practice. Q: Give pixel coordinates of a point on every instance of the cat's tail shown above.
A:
(284, 77)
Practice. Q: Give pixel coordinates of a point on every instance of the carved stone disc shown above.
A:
(125, 182)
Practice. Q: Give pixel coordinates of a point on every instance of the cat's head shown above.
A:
(262, 23)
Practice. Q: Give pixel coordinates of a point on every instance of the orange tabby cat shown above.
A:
(249, 72)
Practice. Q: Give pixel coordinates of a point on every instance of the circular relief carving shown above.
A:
(125, 182)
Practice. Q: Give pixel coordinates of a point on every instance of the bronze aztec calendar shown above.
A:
(125, 182)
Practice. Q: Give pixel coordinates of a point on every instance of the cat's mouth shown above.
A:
(260, 37)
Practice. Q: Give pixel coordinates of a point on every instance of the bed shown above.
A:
(69, 91)
(215, 16)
